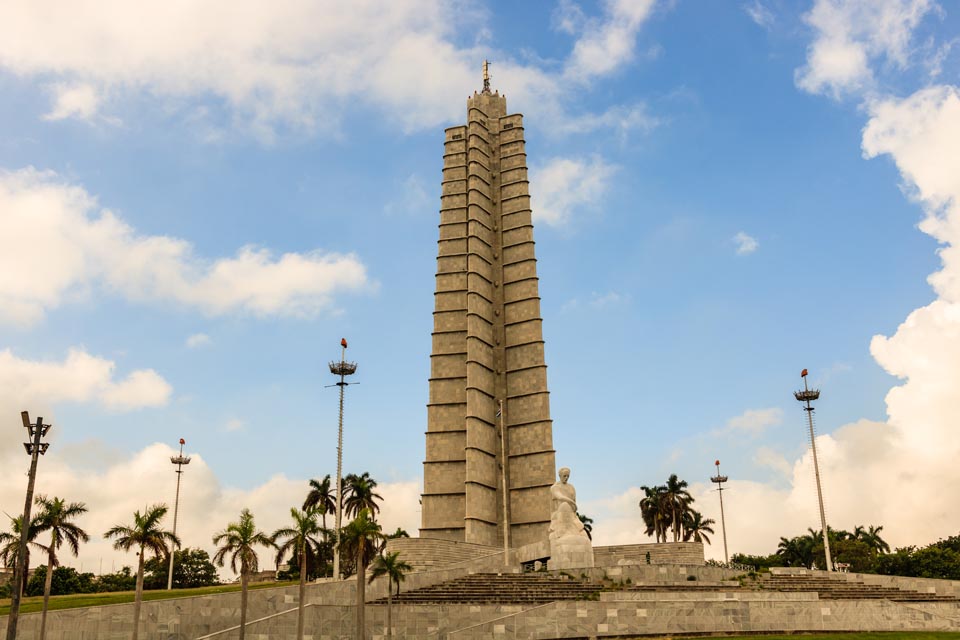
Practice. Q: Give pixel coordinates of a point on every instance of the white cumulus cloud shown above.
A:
(606, 44)
(756, 421)
(74, 101)
(851, 34)
(86, 248)
(564, 186)
(80, 377)
(746, 244)
(198, 340)
(760, 14)
(291, 65)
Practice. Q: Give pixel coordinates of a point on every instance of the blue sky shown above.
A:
(197, 203)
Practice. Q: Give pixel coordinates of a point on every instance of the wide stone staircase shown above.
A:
(684, 587)
(507, 588)
(844, 589)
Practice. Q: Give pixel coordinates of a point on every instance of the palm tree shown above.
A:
(300, 539)
(359, 494)
(10, 546)
(797, 551)
(871, 537)
(145, 535)
(677, 499)
(399, 533)
(238, 541)
(395, 569)
(55, 516)
(652, 510)
(587, 525)
(696, 527)
(320, 498)
(360, 539)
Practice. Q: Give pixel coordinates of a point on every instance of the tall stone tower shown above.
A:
(490, 459)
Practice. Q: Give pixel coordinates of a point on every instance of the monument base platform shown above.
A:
(570, 552)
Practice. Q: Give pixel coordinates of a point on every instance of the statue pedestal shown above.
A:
(571, 552)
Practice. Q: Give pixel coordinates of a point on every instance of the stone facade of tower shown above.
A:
(488, 352)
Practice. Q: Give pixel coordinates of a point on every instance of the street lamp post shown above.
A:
(342, 369)
(179, 460)
(35, 448)
(719, 480)
(807, 396)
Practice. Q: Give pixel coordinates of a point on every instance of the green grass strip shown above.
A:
(870, 635)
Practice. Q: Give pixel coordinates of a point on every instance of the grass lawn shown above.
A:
(875, 635)
(35, 603)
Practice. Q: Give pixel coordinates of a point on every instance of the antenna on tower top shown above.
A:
(486, 76)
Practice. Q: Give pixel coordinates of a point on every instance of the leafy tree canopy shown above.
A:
(66, 580)
(191, 568)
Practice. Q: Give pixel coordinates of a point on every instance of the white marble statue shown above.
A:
(564, 520)
(570, 546)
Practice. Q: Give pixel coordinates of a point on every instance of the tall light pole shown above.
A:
(719, 480)
(179, 460)
(34, 448)
(342, 369)
(807, 396)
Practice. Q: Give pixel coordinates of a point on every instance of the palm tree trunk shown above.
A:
(47, 584)
(303, 591)
(138, 597)
(243, 600)
(361, 594)
(26, 572)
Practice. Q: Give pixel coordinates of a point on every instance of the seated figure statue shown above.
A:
(570, 547)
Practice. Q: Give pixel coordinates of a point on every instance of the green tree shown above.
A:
(938, 560)
(399, 533)
(56, 517)
(359, 494)
(320, 498)
(239, 541)
(65, 580)
(757, 562)
(696, 527)
(191, 568)
(122, 580)
(653, 512)
(146, 536)
(10, 545)
(871, 536)
(861, 557)
(797, 551)
(587, 524)
(360, 539)
(676, 499)
(302, 539)
(395, 569)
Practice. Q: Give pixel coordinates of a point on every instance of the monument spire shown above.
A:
(489, 461)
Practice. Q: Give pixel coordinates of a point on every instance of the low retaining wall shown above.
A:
(330, 622)
(632, 617)
(679, 553)
(424, 554)
(689, 553)
(641, 573)
(191, 617)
